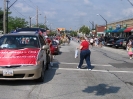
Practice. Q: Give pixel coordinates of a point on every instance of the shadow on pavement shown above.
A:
(101, 89)
(49, 74)
(86, 67)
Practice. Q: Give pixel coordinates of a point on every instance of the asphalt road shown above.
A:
(110, 78)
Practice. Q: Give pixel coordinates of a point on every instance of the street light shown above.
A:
(104, 20)
(130, 2)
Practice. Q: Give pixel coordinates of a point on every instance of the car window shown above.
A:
(54, 43)
(20, 41)
(120, 40)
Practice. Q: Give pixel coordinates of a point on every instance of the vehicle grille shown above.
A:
(14, 76)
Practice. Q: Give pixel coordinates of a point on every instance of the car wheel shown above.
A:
(41, 79)
(48, 62)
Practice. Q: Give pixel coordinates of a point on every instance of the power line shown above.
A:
(29, 4)
(32, 2)
(19, 12)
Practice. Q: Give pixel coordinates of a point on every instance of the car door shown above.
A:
(42, 54)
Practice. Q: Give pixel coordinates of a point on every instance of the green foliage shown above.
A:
(41, 26)
(16, 22)
(84, 29)
(52, 33)
(73, 33)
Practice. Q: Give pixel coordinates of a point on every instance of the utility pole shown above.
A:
(37, 18)
(92, 24)
(30, 21)
(7, 16)
(7, 8)
(45, 22)
(4, 17)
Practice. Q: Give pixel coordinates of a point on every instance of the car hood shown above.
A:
(11, 57)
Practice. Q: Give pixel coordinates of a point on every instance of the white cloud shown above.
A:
(108, 14)
(50, 14)
(128, 11)
(61, 20)
(80, 14)
(86, 1)
(23, 7)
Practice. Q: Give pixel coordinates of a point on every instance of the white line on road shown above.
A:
(84, 64)
(107, 71)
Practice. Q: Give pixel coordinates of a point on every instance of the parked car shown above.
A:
(55, 48)
(130, 37)
(126, 40)
(111, 41)
(124, 44)
(23, 56)
(118, 43)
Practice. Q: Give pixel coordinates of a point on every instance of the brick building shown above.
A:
(100, 29)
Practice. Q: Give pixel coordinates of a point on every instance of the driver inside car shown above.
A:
(9, 44)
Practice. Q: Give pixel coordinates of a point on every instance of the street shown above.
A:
(111, 77)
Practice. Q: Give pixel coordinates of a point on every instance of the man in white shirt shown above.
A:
(91, 41)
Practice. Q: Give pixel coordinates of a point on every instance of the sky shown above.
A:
(71, 14)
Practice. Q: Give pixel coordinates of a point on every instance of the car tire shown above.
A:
(48, 62)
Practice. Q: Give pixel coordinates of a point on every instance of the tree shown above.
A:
(52, 33)
(84, 29)
(73, 33)
(16, 23)
(1, 19)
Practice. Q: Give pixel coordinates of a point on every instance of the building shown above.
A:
(100, 30)
(120, 28)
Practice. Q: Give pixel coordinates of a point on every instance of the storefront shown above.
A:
(128, 32)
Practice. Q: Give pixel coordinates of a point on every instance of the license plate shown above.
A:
(8, 72)
(115, 45)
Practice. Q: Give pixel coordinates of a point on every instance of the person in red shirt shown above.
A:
(49, 41)
(84, 53)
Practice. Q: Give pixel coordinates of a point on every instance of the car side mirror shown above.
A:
(45, 47)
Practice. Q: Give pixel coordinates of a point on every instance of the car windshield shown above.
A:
(54, 43)
(19, 42)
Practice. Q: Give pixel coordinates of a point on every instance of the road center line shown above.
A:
(105, 71)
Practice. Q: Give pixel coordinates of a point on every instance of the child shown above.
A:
(129, 46)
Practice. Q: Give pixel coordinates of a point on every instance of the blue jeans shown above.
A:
(85, 54)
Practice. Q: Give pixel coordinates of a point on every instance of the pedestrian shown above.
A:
(49, 42)
(129, 48)
(96, 41)
(101, 41)
(92, 41)
(84, 53)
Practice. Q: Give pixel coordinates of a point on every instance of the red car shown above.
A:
(54, 48)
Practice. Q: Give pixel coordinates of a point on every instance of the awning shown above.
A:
(116, 30)
(121, 30)
(108, 31)
(128, 29)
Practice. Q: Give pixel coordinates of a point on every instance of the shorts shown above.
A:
(91, 43)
